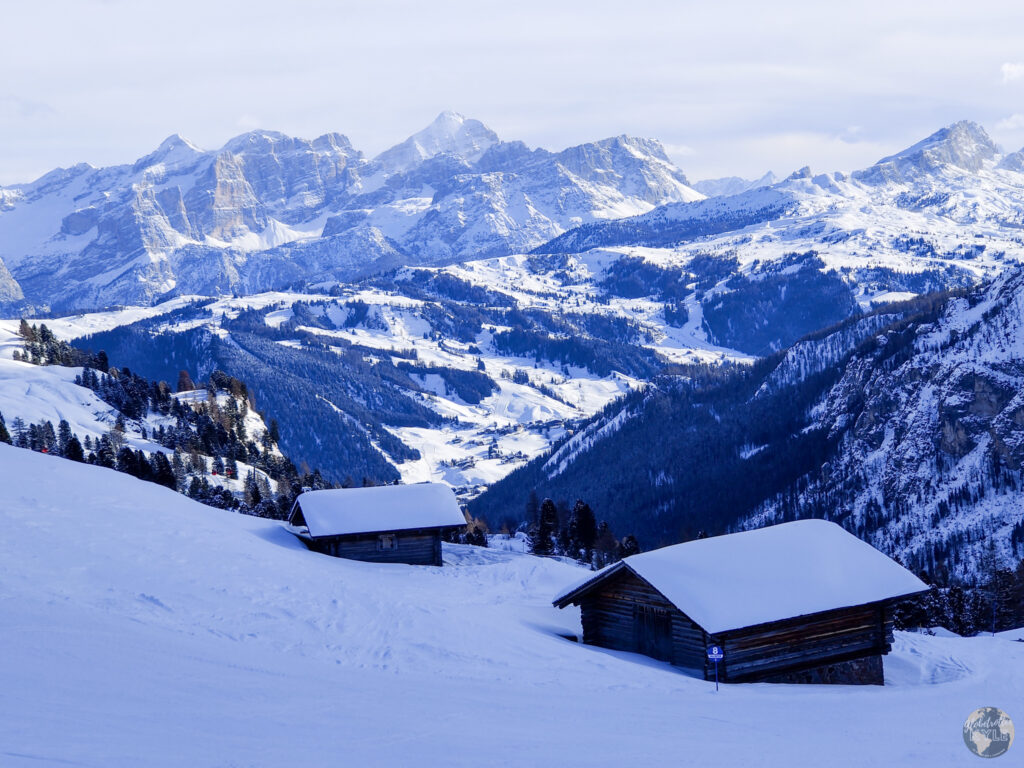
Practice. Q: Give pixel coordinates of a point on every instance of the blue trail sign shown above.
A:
(716, 654)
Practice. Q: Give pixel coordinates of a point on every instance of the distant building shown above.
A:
(799, 602)
(382, 524)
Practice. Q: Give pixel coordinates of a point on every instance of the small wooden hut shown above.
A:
(797, 602)
(381, 524)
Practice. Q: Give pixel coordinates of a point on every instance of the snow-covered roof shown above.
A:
(769, 574)
(345, 511)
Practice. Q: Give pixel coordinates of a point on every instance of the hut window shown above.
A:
(387, 542)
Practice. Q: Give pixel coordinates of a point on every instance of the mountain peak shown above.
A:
(1013, 162)
(733, 185)
(177, 141)
(964, 145)
(174, 151)
(256, 139)
(450, 133)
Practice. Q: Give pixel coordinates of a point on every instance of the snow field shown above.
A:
(142, 628)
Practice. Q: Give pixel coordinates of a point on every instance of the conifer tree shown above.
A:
(628, 547)
(20, 432)
(582, 529)
(185, 383)
(47, 437)
(178, 468)
(63, 437)
(73, 449)
(106, 454)
(605, 545)
(542, 540)
(532, 508)
(126, 462)
(162, 472)
(252, 491)
(5, 436)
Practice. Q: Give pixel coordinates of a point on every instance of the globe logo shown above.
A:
(988, 732)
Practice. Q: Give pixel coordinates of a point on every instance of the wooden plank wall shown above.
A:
(763, 651)
(414, 547)
(608, 619)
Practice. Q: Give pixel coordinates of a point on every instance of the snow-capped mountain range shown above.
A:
(459, 364)
(267, 210)
(733, 185)
(946, 211)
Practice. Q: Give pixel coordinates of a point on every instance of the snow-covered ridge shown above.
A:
(806, 358)
(583, 441)
(943, 213)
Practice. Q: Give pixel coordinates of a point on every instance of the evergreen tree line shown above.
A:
(993, 606)
(41, 347)
(554, 529)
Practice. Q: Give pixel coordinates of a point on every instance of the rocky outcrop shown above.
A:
(10, 291)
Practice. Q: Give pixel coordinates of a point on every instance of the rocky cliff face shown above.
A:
(928, 425)
(963, 145)
(10, 291)
(267, 209)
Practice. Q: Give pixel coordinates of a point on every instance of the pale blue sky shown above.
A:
(728, 87)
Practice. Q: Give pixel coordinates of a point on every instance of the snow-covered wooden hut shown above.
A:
(383, 524)
(797, 602)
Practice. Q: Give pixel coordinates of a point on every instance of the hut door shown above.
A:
(653, 632)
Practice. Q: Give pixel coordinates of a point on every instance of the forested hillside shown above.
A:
(205, 441)
(902, 425)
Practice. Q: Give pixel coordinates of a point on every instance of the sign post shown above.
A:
(716, 654)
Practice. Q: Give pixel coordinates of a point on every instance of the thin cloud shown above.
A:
(1012, 70)
(1012, 123)
(679, 150)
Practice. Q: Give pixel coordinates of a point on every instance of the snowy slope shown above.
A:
(35, 394)
(49, 393)
(176, 634)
